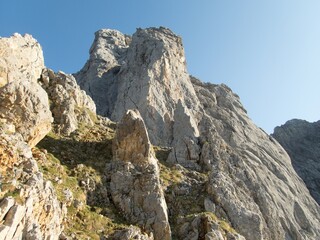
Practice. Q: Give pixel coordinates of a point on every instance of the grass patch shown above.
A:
(69, 160)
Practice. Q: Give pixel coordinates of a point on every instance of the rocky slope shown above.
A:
(251, 182)
(184, 160)
(29, 206)
(301, 140)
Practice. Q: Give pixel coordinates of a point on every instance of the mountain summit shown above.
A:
(176, 157)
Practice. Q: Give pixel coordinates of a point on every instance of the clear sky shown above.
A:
(267, 51)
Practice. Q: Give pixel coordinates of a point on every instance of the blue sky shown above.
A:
(267, 51)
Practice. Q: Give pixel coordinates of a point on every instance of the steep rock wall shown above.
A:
(251, 180)
(301, 140)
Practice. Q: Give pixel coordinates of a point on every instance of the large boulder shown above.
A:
(135, 183)
(21, 59)
(25, 104)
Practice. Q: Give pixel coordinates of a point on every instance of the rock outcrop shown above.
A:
(70, 105)
(251, 182)
(135, 183)
(25, 105)
(205, 226)
(130, 233)
(21, 58)
(29, 208)
(222, 175)
(301, 140)
(149, 74)
(23, 102)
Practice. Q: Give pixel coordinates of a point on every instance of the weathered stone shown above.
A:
(186, 150)
(70, 105)
(204, 226)
(5, 206)
(149, 75)
(135, 184)
(21, 58)
(130, 233)
(132, 143)
(34, 212)
(251, 181)
(25, 105)
(301, 140)
(13, 218)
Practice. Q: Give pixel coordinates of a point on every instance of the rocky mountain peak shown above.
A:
(207, 129)
(182, 160)
(149, 74)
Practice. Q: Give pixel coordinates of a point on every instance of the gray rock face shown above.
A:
(149, 75)
(135, 184)
(97, 77)
(204, 226)
(70, 105)
(23, 102)
(301, 140)
(251, 180)
(130, 233)
(25, 105)
(31, 209)
(21, 59)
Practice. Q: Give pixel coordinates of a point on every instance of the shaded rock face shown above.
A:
(135, 184)
(301, 140)
(30, 209)
(70, 105)
(251, 182)
(107, 53)
(149, 74)
(25, 105)
(21, 58)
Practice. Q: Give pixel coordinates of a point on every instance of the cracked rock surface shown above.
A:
(301, 140)
(135, 180)
(251, 182)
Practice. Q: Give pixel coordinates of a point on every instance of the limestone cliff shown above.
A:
(301, 139)
(28, 203)
(251, 182)
(211, 173)
(145, 72)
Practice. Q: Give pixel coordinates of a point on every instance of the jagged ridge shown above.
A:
(217, 167)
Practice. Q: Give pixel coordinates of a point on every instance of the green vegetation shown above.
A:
(66, 161)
